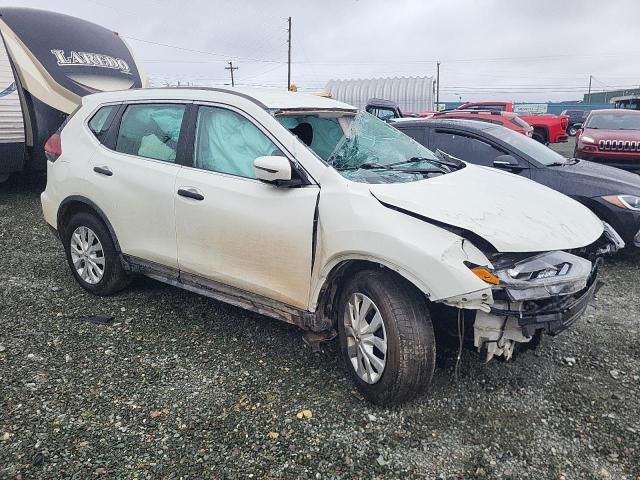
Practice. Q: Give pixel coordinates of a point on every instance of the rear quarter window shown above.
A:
(101, 120)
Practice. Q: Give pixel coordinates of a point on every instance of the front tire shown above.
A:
(386, 337)
(92, 256)
(572, 131)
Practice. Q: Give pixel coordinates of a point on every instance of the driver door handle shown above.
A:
(190, 192)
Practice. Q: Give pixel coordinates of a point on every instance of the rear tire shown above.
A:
(92, 256)
(391, 359)
(571, 131)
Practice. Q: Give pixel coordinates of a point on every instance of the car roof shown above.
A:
(478, 113)
(452, 123)
(265, 98)
(493, 113)
(381, 102)
(615, 111)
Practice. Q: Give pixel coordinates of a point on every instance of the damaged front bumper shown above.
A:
(553, 315)
(546, 293)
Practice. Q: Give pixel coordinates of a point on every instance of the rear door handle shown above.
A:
(190, 192)
(103, 171)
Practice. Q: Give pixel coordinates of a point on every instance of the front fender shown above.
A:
(428, 256)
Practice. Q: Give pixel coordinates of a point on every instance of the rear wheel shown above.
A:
(386, 337)
(540, 135)
(572, 130)
(92, 256)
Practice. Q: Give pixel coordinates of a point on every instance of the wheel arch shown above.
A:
(77, 203)
(335, 273)
(543, 131)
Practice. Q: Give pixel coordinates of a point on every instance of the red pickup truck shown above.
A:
(547, 128)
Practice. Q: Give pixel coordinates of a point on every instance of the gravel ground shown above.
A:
(180, 386)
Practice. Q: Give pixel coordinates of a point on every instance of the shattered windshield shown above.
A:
(362, 147)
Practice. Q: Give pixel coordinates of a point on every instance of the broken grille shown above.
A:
(619, 145)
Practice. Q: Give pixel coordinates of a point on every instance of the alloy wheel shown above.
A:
(366, 338)
(87, 255)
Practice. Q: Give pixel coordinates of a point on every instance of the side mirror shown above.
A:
(272, 169)
(507, 161)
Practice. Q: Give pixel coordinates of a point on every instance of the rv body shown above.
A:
(48, 62)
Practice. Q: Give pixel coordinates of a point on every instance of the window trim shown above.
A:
(117, 122)
(108, 121)
(190, 139)
(92, 113)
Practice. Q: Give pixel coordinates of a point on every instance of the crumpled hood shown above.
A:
(512, 213)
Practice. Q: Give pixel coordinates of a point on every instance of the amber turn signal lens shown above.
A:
(485, 275)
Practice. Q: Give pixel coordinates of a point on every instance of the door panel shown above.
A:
(133, 182)
(235, 229)
(247, 234)
(138, 200)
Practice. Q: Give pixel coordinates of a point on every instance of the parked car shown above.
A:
(611, 137)
(576, 119)
(547, 128)
(303, 209)
(610, 193)
(508, 120)
(383, 109)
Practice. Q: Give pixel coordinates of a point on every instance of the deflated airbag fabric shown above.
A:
(226, 142)
(151, 131)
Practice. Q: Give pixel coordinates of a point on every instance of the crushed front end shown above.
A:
(537, 293)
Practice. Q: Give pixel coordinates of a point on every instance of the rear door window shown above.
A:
(151, 131)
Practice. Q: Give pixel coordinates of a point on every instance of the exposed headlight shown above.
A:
(541, 276)
(587, 139)
(629, 202)
(545, 275)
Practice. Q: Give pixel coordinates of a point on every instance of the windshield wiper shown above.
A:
(449, 160)
(393, 167)
(362, 166)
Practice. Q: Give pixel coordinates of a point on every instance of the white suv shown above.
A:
(303, 209)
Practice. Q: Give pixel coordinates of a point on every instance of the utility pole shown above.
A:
(589, 94)
(231, 68)
(289, 55)
(438, 87)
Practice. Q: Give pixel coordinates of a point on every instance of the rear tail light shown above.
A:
(564, 123)
(53, 147)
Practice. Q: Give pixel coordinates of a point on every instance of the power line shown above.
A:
(215, 54)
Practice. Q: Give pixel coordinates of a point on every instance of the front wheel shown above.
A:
(572, 131)
(386, 337)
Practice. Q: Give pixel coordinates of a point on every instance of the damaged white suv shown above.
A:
(303, 209)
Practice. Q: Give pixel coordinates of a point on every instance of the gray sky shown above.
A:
(489, 49)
